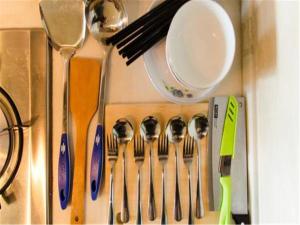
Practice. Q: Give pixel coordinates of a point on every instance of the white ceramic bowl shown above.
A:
(200, 44)
(163, 80)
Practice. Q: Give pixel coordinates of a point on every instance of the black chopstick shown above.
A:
(163, 32)
(136, 24)
(154, 21)
(138, 43)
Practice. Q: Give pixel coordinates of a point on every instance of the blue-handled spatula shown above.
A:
(65, 26)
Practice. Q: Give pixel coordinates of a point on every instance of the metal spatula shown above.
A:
(64, 23)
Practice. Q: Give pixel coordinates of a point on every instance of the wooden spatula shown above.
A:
(84, 86)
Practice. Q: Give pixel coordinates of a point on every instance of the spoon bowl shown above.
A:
(105, 18)
(150, 129)
(176, 129)
(123, 130)
(198, 126)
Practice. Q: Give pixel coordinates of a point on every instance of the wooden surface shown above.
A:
(135, 113)
(84, 86)
(132, 80)
(125, 85)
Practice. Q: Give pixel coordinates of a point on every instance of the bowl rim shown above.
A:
(230, 56)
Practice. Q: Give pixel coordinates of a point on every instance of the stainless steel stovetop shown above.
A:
(24, 56)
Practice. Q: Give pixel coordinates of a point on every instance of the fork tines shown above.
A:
(163, 147)
(188, 147)
(139, 148)
(112, 144)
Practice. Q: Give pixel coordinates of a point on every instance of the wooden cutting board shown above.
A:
(135, 113)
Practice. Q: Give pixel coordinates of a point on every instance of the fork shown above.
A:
(188, 152)
(139, 156)
(162, 151)
(112, 153)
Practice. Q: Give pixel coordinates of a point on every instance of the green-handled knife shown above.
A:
(226, 154)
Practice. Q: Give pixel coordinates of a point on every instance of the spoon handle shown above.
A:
(199, 198)
(177, 207)
(97, 161)
(151, 204)
(102, 88)
(125, 207)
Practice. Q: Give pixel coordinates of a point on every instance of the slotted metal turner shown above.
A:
(65, 25)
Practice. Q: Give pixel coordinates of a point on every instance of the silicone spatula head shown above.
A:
(229, 130)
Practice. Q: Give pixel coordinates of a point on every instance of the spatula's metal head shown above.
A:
(64, 22)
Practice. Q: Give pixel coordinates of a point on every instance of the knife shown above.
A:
(226, 155)
(239, 198)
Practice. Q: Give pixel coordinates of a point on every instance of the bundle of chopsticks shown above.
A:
(134, 40)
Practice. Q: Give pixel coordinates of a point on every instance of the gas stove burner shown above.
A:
(11, 141)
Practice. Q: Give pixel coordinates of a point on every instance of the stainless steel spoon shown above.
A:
(176, 131)
(150, 131)
(104, 19)
(198, 129)
(124, 132)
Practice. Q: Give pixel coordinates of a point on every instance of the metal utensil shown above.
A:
(150, 130)
(104, 19)
(163, 151)
(198, 129)
(123, 130)
(139, 155)
(176, 130)
(188, 152)
(112, 144)
(65, 26)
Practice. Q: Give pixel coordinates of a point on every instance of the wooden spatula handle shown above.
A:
(78, 195)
